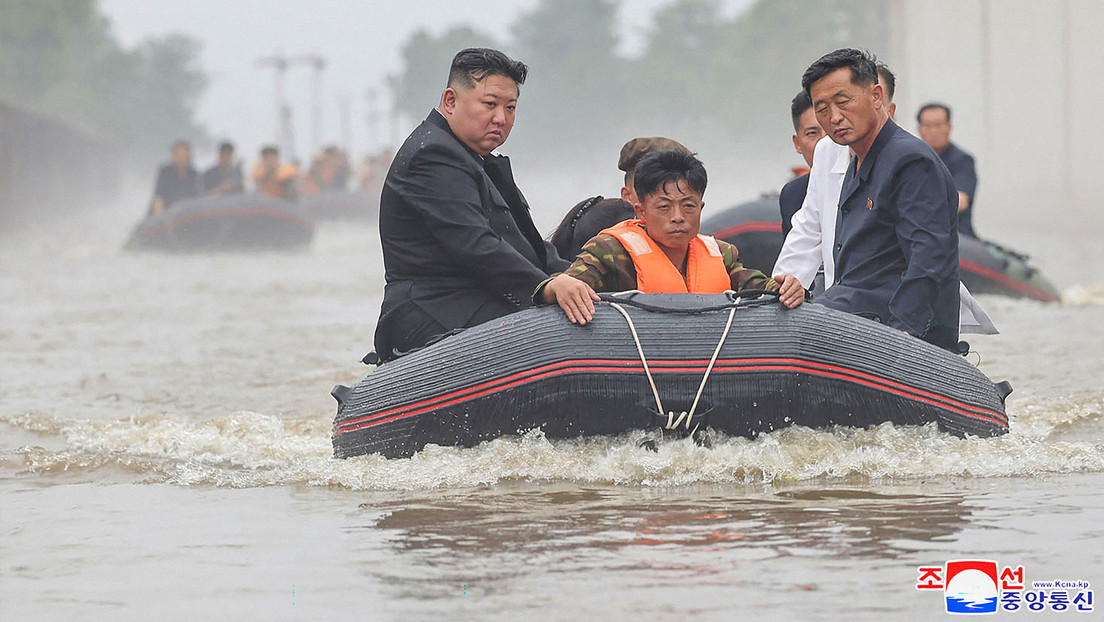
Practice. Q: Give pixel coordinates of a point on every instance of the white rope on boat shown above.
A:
(688, 416)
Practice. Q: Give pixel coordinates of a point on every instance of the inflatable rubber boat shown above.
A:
(235, 222)
(988, 268)
(335, 204)
(742, 366)
(755, 228)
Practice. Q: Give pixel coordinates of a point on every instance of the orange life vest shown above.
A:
(655, 274)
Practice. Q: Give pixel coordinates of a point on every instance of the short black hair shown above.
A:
(270, 149)
(798, 105)
(471, 65)
(863, 66)
(226, 146)
(659, 168)
(929, 106)
(888, 80)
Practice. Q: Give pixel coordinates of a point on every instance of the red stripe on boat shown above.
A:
(1007, 281)
(730, 365)
(749, 227)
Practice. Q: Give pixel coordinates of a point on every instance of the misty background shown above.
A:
(93, 92)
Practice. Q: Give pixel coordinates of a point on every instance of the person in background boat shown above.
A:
(934, 121)
(807, 133)
(329, 170)
(590, 216)
(373, 170)
(896, 250)
(661, 251)
(459, 244)
(176, 180)
(274, 179)
(225, 177)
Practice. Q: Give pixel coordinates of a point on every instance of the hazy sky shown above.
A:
(360, 39)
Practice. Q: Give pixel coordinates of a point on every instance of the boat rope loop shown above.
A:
(684, 416)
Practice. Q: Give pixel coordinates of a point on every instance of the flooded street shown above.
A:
(165, 451)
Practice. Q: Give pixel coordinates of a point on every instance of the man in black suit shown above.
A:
(896, 251)
(459, 245)
(807, 133)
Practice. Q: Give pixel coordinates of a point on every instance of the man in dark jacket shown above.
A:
(807, 133)
(934, 122)
(459, 245)
(176, 180)
(896, 251)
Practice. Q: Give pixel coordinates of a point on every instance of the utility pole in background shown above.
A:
(372, 119)
(317, 64)
(285, 133)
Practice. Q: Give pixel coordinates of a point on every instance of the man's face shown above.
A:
(672, 214)
(270, 159)
(849, 113)
(482, 116)
(935, 129)
(225, 157)
(181, 155)
(808, 134)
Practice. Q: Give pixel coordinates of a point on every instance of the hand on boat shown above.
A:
(575, 297)
(790, 292)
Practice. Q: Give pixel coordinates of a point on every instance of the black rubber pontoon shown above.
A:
(234, 222)
(809, 366)
(754, 228)
(336, 204)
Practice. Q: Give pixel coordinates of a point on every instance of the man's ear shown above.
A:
(448, 101)
(796, 148)
(878, 93)
(893, 111)
(627, 195)
(638, 209)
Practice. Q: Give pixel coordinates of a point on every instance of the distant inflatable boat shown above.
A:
(984, 267)
(679, 362)
(336, 204)
(235, 222)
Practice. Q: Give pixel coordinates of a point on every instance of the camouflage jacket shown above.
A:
(606, 266)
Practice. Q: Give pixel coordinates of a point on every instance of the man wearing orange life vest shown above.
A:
(661, 251)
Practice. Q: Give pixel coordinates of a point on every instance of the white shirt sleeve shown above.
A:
(800, 254)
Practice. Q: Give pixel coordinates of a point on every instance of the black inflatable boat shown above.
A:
(337, 204)
(234, 222)
(739, 366)
(755, 228)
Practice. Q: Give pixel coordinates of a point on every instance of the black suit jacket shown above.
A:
(897, 240)
(790, 199)
(459, 244)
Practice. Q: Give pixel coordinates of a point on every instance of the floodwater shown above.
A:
(165, 453)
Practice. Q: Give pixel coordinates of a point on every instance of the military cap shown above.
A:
(639, 147)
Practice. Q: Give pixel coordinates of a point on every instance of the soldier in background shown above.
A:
(588, 217)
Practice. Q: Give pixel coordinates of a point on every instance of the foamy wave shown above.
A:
(251, 449)
(1084, 295)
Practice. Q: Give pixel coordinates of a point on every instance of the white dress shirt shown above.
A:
(809, 243)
